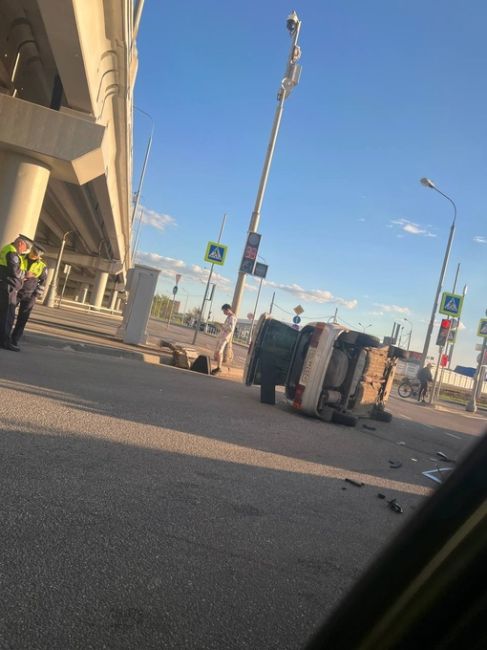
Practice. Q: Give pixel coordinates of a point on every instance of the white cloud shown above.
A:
(410, 227)
(319, 296)
(480, 239)
(251, 287)
(392, 309)
(376, 313)
(156, 219)
(169, 266)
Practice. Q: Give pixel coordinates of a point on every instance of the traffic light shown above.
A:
(443, 333)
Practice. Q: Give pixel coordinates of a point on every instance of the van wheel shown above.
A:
(381, 416)
(343, 418)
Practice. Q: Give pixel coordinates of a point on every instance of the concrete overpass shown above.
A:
(67, 73)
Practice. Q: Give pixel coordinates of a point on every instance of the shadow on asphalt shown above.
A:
(111, 545)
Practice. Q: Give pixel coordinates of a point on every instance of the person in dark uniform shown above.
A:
(33, 287)
(11, 276)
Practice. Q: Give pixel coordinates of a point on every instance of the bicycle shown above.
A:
(408, 388)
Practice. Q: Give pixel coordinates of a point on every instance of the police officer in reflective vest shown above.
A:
(33, 287)
(11, 277)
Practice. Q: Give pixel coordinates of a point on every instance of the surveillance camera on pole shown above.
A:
(292, 22)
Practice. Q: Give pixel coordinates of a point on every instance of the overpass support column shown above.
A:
(83, 293)
(114, 299)
(99, 290)
(23, 183)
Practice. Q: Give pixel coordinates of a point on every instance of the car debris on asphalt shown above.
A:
(395, 464)
(394, 505)
(356, 483)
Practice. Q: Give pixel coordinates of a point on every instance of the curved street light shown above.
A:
(365, 327)
(139, 188)
(410, 333)
(426, 182)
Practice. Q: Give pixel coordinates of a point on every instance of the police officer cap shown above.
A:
(40, 249)
(27, 240)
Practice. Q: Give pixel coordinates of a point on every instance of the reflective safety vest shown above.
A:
(10, 248)
(36, 267)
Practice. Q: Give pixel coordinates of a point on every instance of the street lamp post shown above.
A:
(365, 327)
(52, 291)
(429, 183)
(290, 80)
(410, 332)
(139, 188)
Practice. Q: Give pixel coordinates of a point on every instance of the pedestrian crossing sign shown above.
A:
(482, 330)
(216, 253)
(451, 304)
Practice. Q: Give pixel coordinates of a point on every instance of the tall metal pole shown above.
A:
(64, 286)
(447, 346)
(290, 80)
(452, 346)
(430, 184)
(272, 302)
(52, 291)
(135, 239)
(255, 309)
(171, 310)
(212, 295)
(471, 406)
(208, 283)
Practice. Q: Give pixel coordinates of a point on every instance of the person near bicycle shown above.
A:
(424, 376)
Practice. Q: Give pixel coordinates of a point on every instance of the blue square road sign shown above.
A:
(451, 304)
(216, 253)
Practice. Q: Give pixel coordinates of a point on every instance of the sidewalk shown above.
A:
(89, 331)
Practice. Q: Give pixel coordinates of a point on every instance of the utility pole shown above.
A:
(272, 302)
(290, 80)
(426, 182)
(208, 284)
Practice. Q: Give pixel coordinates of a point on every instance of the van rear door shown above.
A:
(274, 341)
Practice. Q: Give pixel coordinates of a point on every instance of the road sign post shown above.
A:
(440, 342)
(260, 271)
(216, 252)
(478, 381)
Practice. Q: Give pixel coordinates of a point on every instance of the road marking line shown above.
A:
(452, 435)
(406, 417)
(428, 426)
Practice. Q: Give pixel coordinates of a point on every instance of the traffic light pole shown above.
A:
(437, 296)
(472, 402)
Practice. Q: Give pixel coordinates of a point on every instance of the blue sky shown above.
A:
(390, 91)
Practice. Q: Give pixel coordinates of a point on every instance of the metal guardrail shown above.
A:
(85, 306)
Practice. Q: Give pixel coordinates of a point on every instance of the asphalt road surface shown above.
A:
(148, 507)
